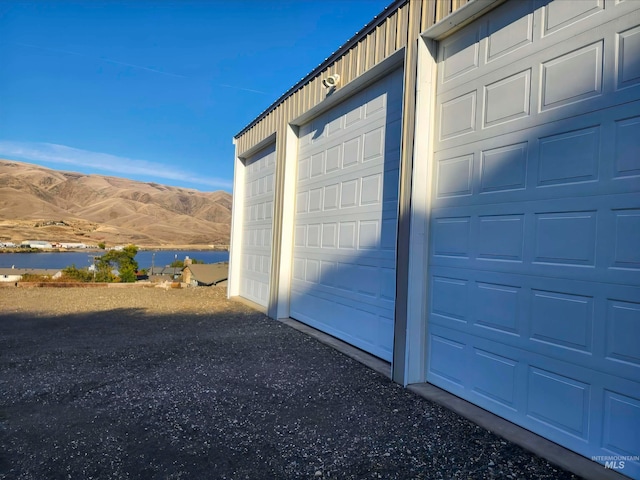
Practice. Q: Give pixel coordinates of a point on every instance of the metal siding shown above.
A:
(443, 8)
(370, 48)
(427, 11)
(337, 67)
(360, 49)
(403, 24)
(281, 134)
(380, 42)
(311, 93)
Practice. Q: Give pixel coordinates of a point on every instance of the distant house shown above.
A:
(73, 245)
(164, 274)
(10, 275)
(36, 244)
(16, 274)
(200, 275)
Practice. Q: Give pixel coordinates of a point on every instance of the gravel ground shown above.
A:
(153, 383)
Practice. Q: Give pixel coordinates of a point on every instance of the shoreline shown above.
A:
(180, 248)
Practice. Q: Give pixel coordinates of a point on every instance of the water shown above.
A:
(85, 258)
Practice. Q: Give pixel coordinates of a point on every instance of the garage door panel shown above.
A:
(347, 135)
(383, 260)
(584, 63)
(536, 86)
(257, 226)
(347, 238)
(508, 35)
(379, 258)
(628, 72)
(563, 402)
(342, 178)
(509, 29)
(576, 157)
(335, 280)
(590, 238)
(572, 321)
(346, 218)
(363, 113)
(349, 211)
(343, 276)
(390, 169)
(621, 423)
(557, 15)
(373, 331)
(534, 278)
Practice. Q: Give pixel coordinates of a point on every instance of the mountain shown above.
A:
(38, 203)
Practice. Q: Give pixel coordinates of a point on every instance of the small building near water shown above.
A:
(201, 275)
(164, 274)
(8, 275)
(36, 244)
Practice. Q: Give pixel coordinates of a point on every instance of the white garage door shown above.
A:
(534, 250)
(257, 226)
(346, 218)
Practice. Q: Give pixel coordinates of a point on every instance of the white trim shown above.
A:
(415, 352)
(288, 222)
(461, 17)
(235, 247)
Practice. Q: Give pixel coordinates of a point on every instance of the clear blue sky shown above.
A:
(155, 90)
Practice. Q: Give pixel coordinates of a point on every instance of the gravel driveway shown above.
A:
(152, 383)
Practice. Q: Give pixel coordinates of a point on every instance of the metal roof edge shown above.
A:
(388, 10)
(460, 17)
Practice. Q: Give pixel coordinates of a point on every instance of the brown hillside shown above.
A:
(97, 208)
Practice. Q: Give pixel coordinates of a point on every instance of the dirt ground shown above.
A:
(181, 383)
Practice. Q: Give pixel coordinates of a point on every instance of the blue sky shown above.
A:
(154, 90)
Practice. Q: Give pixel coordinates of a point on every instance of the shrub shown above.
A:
(73, 274)
(32, 277)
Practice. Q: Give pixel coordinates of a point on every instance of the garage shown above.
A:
(343, 279)
(255, 259)
(533, 289)
(456, 191)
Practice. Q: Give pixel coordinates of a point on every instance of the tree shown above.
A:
(102, 245)
(75, 274)
(103, 273)
(123, 260)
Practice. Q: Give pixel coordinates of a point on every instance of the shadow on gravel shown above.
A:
(124, 394)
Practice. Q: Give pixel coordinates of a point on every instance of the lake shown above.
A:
(82, 259)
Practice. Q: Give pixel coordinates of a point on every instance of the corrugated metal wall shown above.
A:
(378, 40)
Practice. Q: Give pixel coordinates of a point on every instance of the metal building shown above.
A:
(456, 190)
